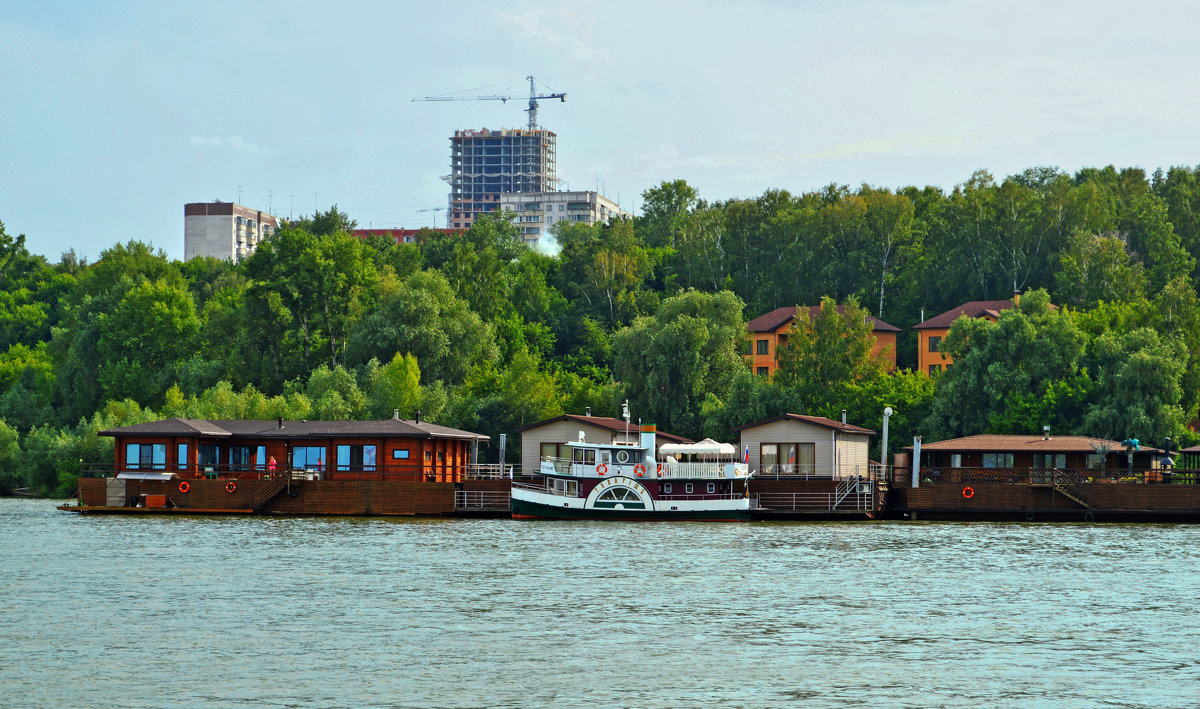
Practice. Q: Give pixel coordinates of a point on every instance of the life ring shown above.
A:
(1089, 516)
(968, 492)
(659, 471)
(231, 487)
(639, 470)
(601, 469)
(184, 487)
(1029, 516)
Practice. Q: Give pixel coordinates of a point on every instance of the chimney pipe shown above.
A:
(281, 422)
(395, 414)
(417, 416)
(843, 417)
(1046, 432)
(588, 412)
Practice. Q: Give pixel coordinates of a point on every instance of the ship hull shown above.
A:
(527, 509)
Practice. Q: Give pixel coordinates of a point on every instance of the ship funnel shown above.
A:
(648, 439)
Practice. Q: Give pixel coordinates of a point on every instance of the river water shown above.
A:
(102, 611)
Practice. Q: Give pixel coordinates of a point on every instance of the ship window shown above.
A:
(181, 456)
(239, 457)
(308, 457)
(997, 460)
(619, 494)
(208, 457)
(605, 456)
(146, 456)
(667, 488)
(688, 488)
(712, 487)
(356, 458)
(577, 455)
(622, 456)
(260, 458)
(589, 457)
(400, 455)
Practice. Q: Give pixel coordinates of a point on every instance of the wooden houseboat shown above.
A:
(1042, 478)
(392, 466)
(607, 480)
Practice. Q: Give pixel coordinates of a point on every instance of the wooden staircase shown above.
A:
(271, 490)
(1074, 496)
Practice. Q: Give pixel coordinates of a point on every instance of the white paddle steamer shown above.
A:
(624, 481)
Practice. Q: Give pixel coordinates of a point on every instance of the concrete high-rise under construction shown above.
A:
(487, 163)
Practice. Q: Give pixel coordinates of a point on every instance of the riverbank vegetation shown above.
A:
(479, 332)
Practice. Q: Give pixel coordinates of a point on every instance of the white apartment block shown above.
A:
(224, 230)
(538, 211)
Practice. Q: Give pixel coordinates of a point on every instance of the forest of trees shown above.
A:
(480, 332)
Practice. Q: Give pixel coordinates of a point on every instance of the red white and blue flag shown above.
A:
(747, 460)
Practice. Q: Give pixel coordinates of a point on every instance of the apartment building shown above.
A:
(538, 211)
(224, 230)
(484, 164)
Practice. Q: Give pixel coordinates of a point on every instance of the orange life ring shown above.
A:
(659, 470)
(639, 469)
(968, 492)
(184, 487)
(231, 487)
(601, 469)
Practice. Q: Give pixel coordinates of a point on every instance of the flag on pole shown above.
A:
(747, 460)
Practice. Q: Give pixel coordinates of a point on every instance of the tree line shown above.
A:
(478, 331)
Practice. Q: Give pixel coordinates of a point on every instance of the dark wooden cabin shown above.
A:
(388, 450)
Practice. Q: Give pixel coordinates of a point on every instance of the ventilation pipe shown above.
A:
(395, 414)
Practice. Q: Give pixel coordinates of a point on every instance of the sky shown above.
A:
(113, 115)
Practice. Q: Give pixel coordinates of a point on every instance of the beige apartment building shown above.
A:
(224, 230)
(538, 211)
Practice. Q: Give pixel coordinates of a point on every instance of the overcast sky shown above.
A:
(114, 115)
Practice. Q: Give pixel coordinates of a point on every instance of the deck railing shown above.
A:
(871, 472)
(817, 501)
(480, 499)
(902, 477)
(431, 472)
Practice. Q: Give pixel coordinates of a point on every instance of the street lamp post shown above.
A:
(887, 413)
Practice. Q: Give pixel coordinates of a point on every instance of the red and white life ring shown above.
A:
(184, 487)
(601, 469)
(639, 470)
(231, 487)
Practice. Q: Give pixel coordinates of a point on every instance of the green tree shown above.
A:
(423, 317)
(1138, 386)
(153, 327)
(828, 351)
(1096, 268)
(669, 362)
(396, 386)
(1024, 351)
(665, 208)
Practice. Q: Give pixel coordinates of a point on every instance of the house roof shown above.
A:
(772, 321)
(973, 309)
(608, 424)
(814, 420)
(991, 442)
(291, 429)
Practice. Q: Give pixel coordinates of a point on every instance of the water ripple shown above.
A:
(295, 612)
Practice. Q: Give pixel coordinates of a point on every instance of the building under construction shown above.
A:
(487, 163)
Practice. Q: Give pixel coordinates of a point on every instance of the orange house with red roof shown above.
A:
(767, 333)
(930, 358)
